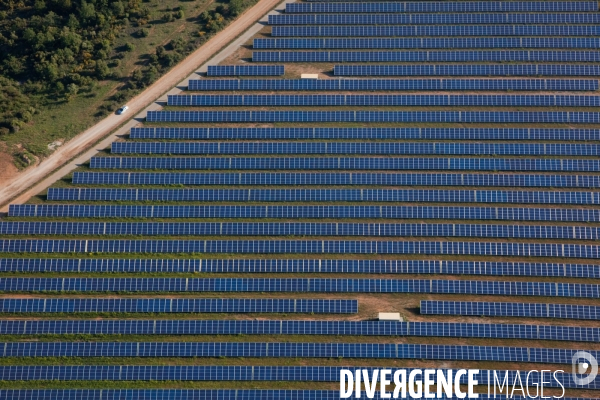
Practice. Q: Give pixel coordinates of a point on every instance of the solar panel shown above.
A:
(383, 100)
(300, 327)
(349, 266)
(580, 117)
(308, 178)
(441, 7)
(497, 309)
(433, 30)
(245, 70)
(392, 84)
(430, 56)
(468, 70)
(339, 163)
(403, 148)
(324, 285)
(190, 394)
(164, 305)
(223, 373)
(290, 350)
(431, 43)
(325, 195)
(307, 212)
(437, 19)
(367, 133)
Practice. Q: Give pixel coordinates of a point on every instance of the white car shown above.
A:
(122, 110)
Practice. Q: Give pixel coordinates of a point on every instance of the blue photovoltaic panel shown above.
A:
(386, 212)
(430, 43)
(385, 100)
(499, 288)
(487, 268)
(192, 394)
(245, 70)
(300, 327)
(162, 305)
(467, 70)
(225, 373)
(497, 309)
(309, 178)
(300, 229)
(430, 56)
(575, 117)
(300, 247)
(320, 195)
(442, 7)
(290, 350)
(434, 30)
(345, 163)
(437, 19)
(405, 148)
(367, 133)
(392, 84)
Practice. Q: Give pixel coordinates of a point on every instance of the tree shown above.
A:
(102, 70)
(236, 7)
(72, 90)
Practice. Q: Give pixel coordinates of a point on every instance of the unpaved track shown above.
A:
(36, 179)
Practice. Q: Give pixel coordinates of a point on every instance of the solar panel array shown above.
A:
(435, 30)
(342, 163)
(313, 285)
(553, 117)
(535, 310)
(300, 327)
(430, 43)
(190, 394)
(391, 84)
(388, 212)
(468, 70)
(487, 268)
(384, 100)
(162, 305)
(366, 133)
(300, 229)
(220, 373)
(409, 173)
(437, 56)
(320, 195)
(245, 70)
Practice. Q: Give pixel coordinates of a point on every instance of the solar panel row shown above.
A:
(162, 305)
(300, 247)
(581, 117)
(245, 70)
(193, 394)
(250, 100)
(313, 285)
(431, 43)
(370, 179)
(488, 268)
(435, 30)
(346, 164)
(320, 195)
(468, 70)
(366, 133)
(496, 309)
(300, 229)
(300, 327)
(293, 148)
(431, 56)
(393, 84)
(226, 373)
(391, 212)
(273, 349)
(443, 7)
(436, 19)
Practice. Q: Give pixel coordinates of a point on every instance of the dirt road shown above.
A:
(37, 178)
